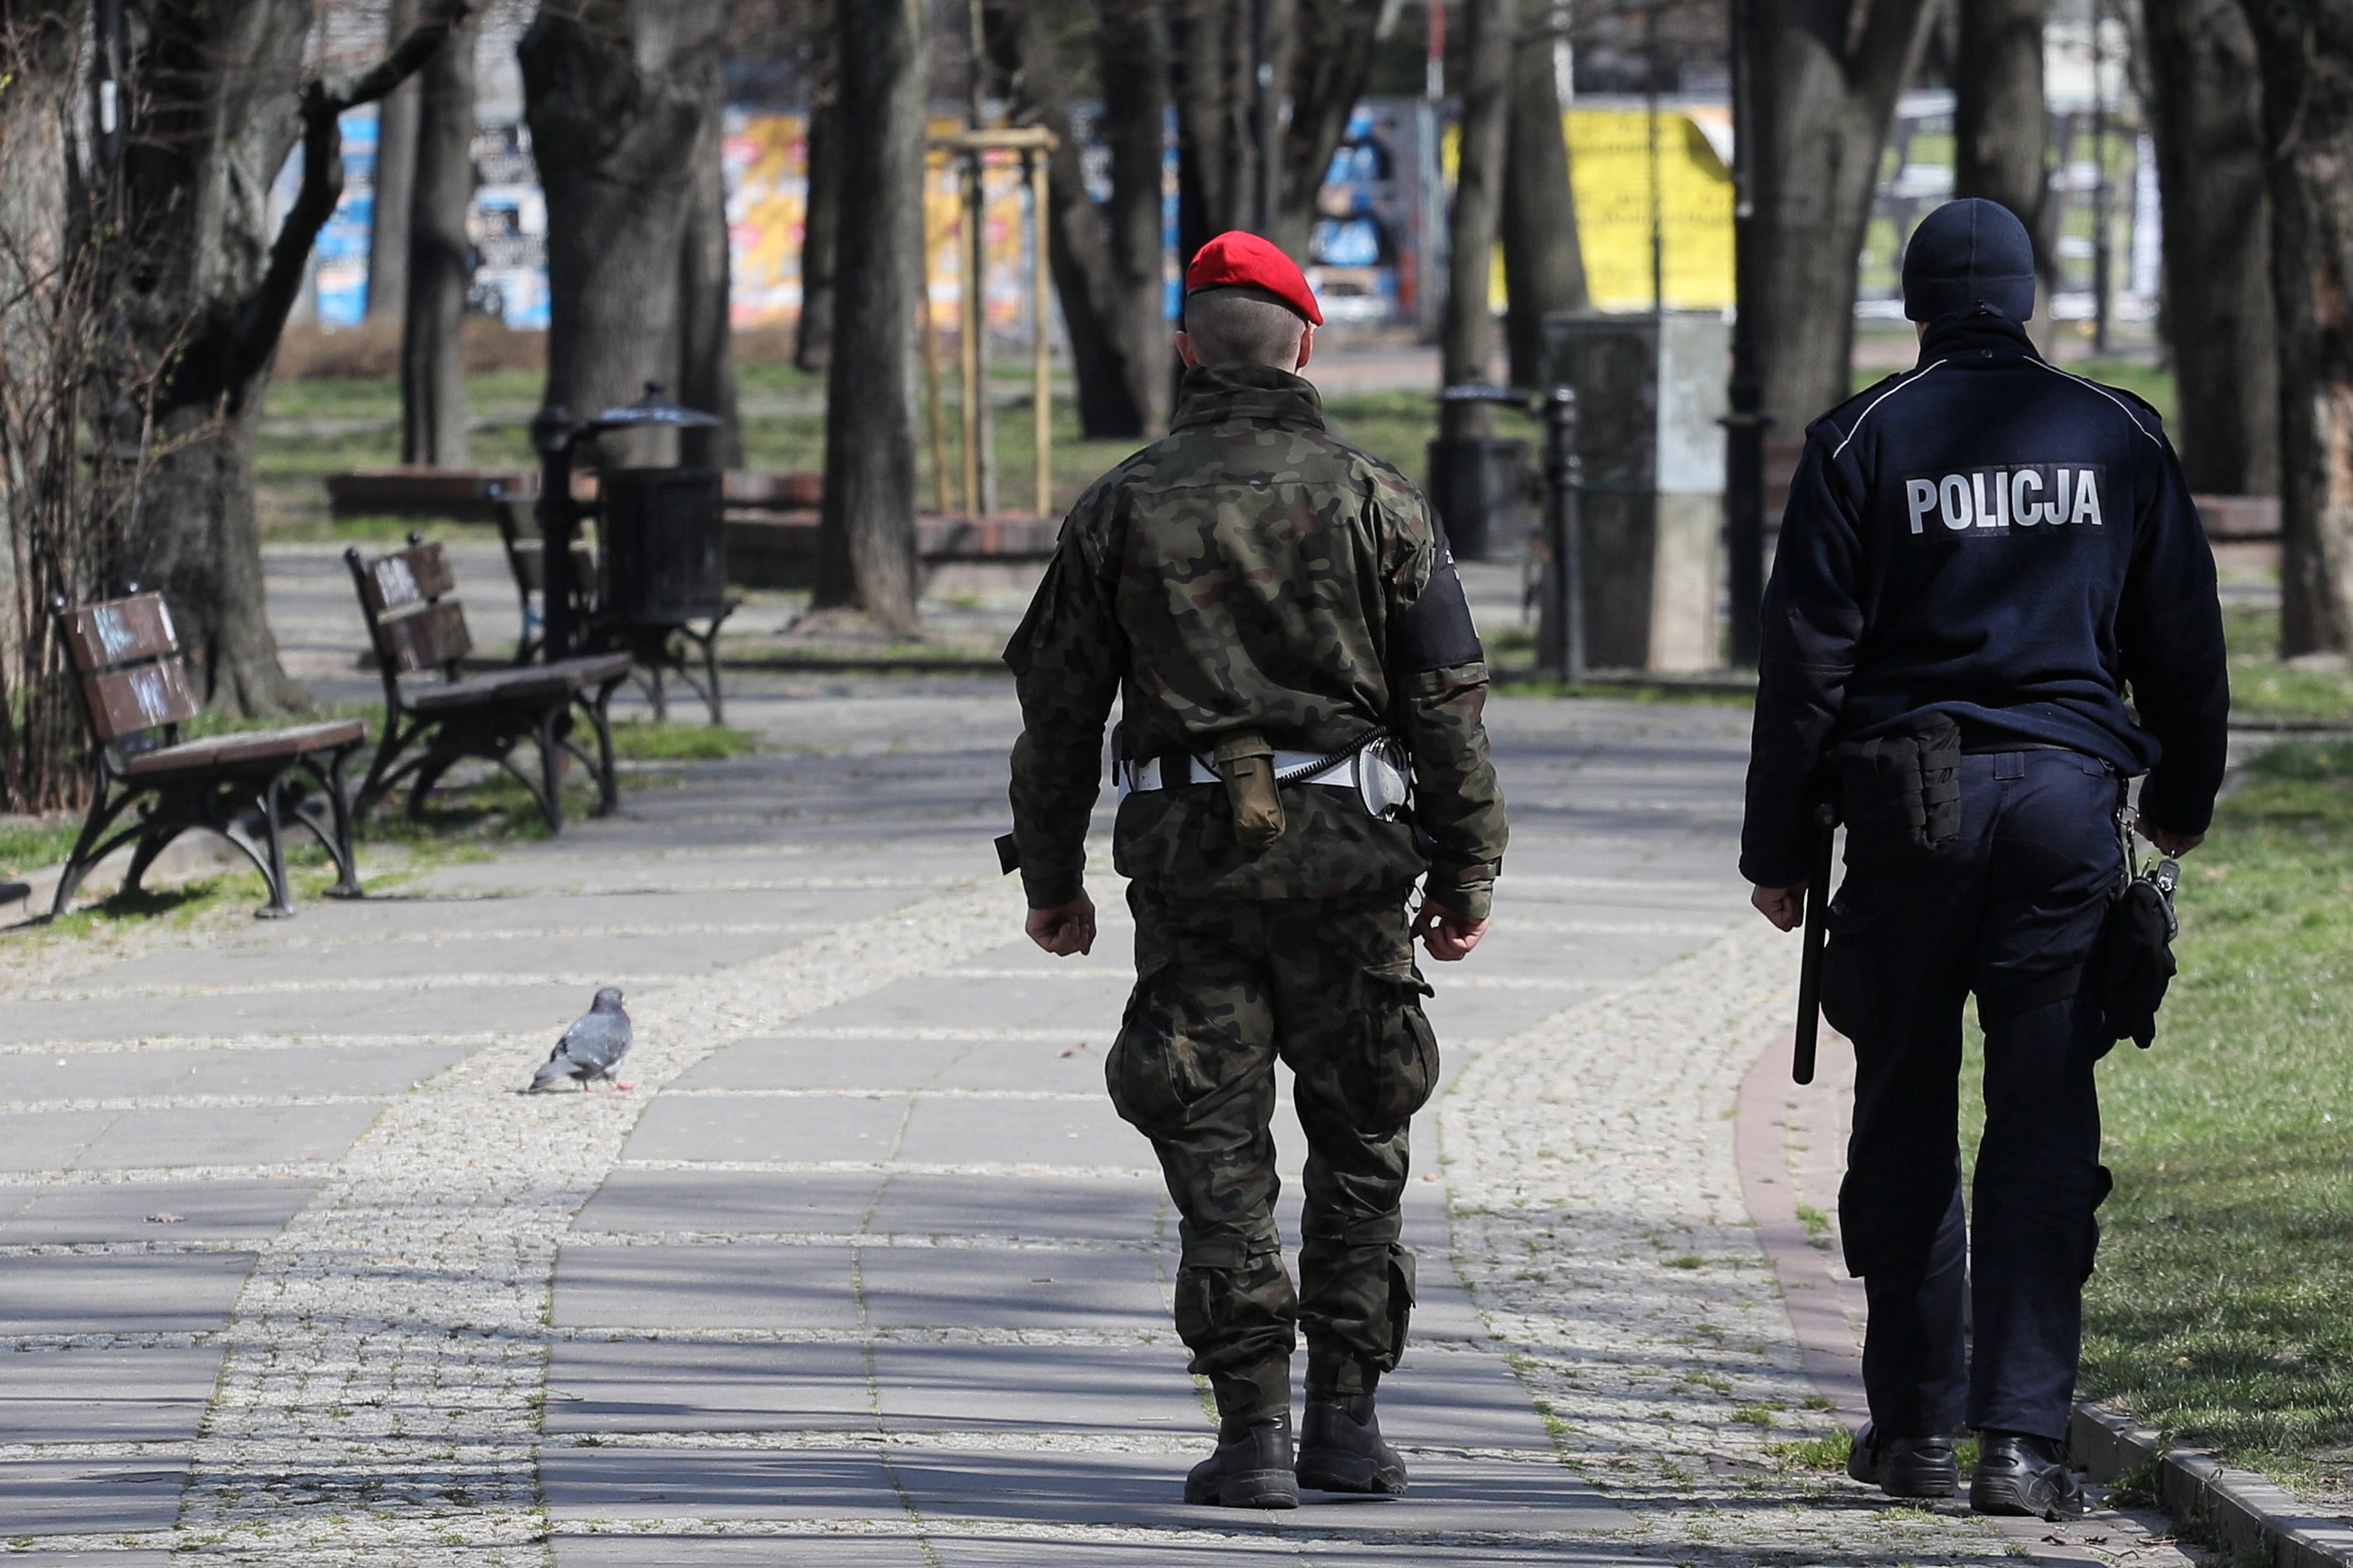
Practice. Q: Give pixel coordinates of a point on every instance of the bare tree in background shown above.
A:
(1216, 168)
(2306, 49)
(821, 219)
(1468, 344)
(441, 258)
(2206, 115)
(219, 100)
(395, 167)
(1544, 269)
(1131, 50)
(620, 97)
(2001, 124)
(1332, 45)
(866, 552)
(1827, 79)
(706, 334)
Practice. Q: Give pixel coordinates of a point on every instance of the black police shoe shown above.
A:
(1252, 1467)
(1340, 1449)
(1905, 1467)
(2024, 1476)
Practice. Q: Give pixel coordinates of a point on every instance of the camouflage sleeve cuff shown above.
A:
(1468, 892)
(1052, 890)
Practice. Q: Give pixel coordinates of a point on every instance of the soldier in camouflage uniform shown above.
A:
(1254, 583)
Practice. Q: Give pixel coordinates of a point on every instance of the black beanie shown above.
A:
(1965, 253)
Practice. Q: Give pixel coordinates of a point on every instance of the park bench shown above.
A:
(242, 785)
(429, 726)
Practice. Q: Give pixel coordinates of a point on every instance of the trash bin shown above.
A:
(664, 559)
(1480, 488)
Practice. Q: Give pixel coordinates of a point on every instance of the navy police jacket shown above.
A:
(1991, 537)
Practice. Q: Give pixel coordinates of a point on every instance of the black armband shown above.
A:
(1437, 632)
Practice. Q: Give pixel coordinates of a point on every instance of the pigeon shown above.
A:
(592, 1048)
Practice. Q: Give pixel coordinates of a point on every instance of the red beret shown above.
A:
(1238, 259)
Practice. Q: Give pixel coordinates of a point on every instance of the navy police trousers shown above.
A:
(2010, 914)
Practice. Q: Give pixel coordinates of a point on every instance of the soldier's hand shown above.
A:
(2170, 843)
(1449, 936)
(1785, 907)
(1065, 931)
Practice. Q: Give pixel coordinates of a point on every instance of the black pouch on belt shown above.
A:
(1900, 793)
(1246, 764)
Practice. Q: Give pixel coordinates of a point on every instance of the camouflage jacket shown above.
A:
(1253, 571)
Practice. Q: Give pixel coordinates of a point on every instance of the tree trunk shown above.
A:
(615, 94)
(394, 200)
(1544, 269)
(820, 223)
(1113, 399)
(2306, 47)
(1332, 60)
(2002, 125)
(706, 347)
(1826, 86)
(2206, 114)
(440, 260)
(1132, 49)
(1467, 345)
(1212, 121)
(866, 550)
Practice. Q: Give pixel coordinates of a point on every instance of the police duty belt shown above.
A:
(1375, 767)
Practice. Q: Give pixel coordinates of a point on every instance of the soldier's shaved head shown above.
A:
(1242, 326)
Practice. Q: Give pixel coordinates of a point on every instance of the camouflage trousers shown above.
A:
(1224, 988)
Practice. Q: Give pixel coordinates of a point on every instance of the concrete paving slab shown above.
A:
(705, 1483)
(326, 1012)
(834, 1127)
(47, 1141)
(1033, 1288)
(1088, 1131)
(594, 1387)
(324, 1069)
(819, 1201)
(198, 1211)
(225, 1135)
(136, 1293)
(408, 914)
(1461, 1399)
(1021, 1552)
(108, 1559)
(1106, 1208)
(817, 1549)
(152, 1396)
(642, 957)
(95, 1075)
(825, 1064)
(1032, 1066)
(747, 1287)
(1089, 1012)
(1131, 1389)
(1127, 1489)
(88, 1497)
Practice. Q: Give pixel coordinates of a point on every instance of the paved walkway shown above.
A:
(865, 1271)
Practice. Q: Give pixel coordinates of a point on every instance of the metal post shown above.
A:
(551, 435)
(1650, 109)
(1560, 629)
(934, 399)
(106, 84)
(1041, 282)
(1744, 427)
(978, 470)
(2100, 219)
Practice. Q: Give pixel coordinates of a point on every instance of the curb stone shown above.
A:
(2237, 1509)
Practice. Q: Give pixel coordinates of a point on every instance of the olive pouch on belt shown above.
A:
(1900, 793)
(1246, 764)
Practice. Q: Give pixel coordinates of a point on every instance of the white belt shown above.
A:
(1377, 772)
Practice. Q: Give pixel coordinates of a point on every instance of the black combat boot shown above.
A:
(1905, 1467)
(2024, 1476)
(1252, 1467)
(1340, 1448)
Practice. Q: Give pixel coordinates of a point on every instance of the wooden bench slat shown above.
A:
(428, 638)
(250, 746)
(416, 575)
(144, 697)
(119, 631)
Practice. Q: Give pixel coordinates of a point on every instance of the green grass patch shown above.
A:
(1828, 1453)
(643, 741)
(2262, 688)
(2219, 1311)
(28, 846)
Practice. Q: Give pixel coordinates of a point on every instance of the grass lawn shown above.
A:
(2263, 689)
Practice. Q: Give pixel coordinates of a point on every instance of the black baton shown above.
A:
(1809, 967)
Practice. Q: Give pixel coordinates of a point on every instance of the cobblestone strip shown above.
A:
(381, 1400)
(1599, 1225)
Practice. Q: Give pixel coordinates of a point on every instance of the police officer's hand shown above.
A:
(1785, 907)
(2170, 843)
(1065, 931)
(1449, 936)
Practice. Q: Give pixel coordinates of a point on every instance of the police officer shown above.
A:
(1979, 559)
(1282, 624)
